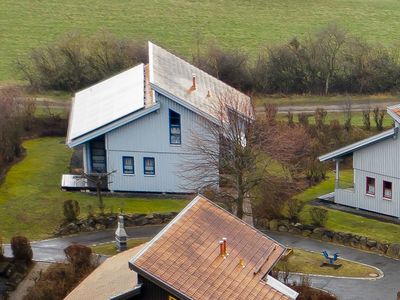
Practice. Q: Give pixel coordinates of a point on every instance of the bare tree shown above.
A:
(99, 180)
(226, 153)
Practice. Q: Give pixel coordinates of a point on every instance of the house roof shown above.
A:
(106, 102)
(349, 149)
(172, 76)
(185, 259)
(96, 110)
(394, 112)
(113, 277)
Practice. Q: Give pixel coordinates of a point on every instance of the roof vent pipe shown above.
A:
(224, 242)
(193, 81)
(221, 248)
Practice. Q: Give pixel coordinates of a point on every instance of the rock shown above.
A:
(393, 251)
(284, 222)
(306, 232)
(326, 238)
(273, 225)
(371, 243)
(282, 228)
(156, 221)
(72, 228)
(141, 221)
(317, 233)
(382, 247)
(299, 226)
(354, 243)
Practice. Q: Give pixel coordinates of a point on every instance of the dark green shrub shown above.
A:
(378, 118)
(366, 119)
(21, 248)
(319, 216)
(80, 257)
(71, 210)
(294, 207)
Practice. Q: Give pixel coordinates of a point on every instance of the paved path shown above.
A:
(350, 289)
(52, 250)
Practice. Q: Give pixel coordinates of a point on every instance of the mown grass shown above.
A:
(176, 24)
(111, 249)
(346, 222)
(307, 262)
(31, 199)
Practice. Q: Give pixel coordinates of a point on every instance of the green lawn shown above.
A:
(175, 24)
(308, 262)
(31, 199)
(346, 222)
(110, 248)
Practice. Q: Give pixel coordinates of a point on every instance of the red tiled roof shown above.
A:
(185, 256)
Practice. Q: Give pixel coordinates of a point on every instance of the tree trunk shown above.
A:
(327, 84)
(239, 204)
(101, 204)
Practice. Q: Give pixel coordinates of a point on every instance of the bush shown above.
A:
(378, 118)
(366, 119)
(319, 216)
(80, 257)
(21, 248)
(71, 210)
(294, 209)
(75, 62)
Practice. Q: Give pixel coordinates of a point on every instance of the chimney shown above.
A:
(120, 235)
(224, 244)
(208, 94)
(193, 81)
(221, 248)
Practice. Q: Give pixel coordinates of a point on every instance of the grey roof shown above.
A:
(349, 149)
(172, 76)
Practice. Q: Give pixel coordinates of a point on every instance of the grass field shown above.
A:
(31, 199)
(110, 248)
(308, 262)
(176, 24)
(346, 222)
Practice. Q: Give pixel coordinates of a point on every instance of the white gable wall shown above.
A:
(382, 162)
(149, 137)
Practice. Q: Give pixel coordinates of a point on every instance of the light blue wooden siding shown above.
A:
(381, 158)
(149, 137)
(382, 162)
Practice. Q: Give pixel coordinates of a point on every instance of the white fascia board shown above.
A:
(280, 287)
(114, 125)
(358, 145)
(391, 113)
(185, 104)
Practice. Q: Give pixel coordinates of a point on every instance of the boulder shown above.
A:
(282, 228)
(371, 243)
(382, 247)
(393, 251)
(263, 223)
(306, 232)
(141, 221)
(317, 233)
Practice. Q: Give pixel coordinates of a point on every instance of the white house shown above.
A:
(376, 177)
(138, 123)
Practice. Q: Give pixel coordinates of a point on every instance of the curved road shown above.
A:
(347, 289)
(350, 289)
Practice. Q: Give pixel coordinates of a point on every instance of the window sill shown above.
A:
(148, 175)
(370, 195)
(128, 174)
(175, 145)
(387, 199)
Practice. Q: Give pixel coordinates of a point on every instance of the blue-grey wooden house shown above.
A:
(376, 175)
(138, 123)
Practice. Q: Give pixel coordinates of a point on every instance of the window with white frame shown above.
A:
(370, 189)
(149, 166)
(387, 189)
(128, 165)
(174, 128)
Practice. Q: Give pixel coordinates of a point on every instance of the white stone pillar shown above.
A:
(121, 235)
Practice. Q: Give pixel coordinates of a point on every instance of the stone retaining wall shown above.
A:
(111, 221)
(342, 238)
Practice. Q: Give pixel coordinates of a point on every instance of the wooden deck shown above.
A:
(70, 182)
